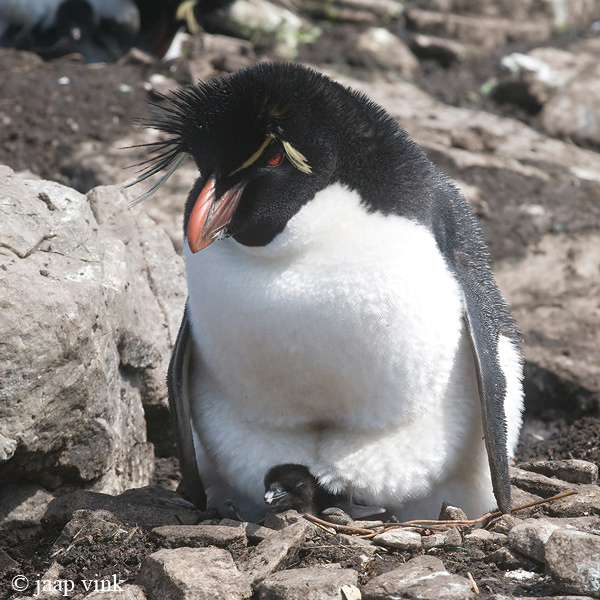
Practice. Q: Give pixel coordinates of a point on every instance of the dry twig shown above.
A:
(421, 524)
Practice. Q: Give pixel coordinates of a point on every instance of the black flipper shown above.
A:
(179, 402)
(492, 391)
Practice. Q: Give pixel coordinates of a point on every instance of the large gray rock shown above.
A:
(268, 555)
(424, 577)
(308, 583)
(90, 293)
(192, 574)
(573, 561)
(574, 112)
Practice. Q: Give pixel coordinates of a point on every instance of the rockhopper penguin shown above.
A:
(341, 313)
(292, 487)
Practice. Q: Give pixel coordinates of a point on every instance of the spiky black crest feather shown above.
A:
(264, 99)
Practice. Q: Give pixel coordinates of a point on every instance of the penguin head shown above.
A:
(266, 139)
(289, 487)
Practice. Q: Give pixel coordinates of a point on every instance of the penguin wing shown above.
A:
(483, 335)
(179, 402)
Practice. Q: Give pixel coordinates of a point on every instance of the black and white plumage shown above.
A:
(292, 487)
(342, 313)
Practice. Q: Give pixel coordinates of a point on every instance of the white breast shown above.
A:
(337, 346)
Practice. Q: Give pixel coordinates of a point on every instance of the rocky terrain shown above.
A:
(504, 96)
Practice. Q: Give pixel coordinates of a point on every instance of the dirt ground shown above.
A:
(43, 124)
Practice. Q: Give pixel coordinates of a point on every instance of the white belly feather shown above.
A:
(339, 346)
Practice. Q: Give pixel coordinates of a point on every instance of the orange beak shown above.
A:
(211, 215)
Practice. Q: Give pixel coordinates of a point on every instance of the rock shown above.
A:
(199, 536)
(400, 539)
(506, 559)
(475, 29)
(574, 112)
(106, 319)
(504, 524)
(451, 537)
(254, 533)
(531, 79)
(283, 519)
(424, 577)
(537, 484)
(571, 470)
(388, 50)
(483, 539)
(445, 51)
(350, 592)
(265, 24)
(530, 538)
(452, 513)
(309, 583)
(573, 561)
(585, 502)
(147, 507)
(128, 591)
(364, 12)
(23, 502)
(336, 515)
(265, 558)
(560, 14)
(192, 574)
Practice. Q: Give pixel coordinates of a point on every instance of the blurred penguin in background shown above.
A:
(99, 30)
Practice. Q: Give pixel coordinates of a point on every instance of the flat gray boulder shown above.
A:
(90, 296)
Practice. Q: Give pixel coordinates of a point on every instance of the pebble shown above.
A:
(400, 539)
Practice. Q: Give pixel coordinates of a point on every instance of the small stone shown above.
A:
(504, 524)
(199, 536)
(400, 539)
(573, 561)
(451, 537)
(310, 583)
(350, 592)
(529, 538)
(265, 558)
(192, 573)
(255, 533)
(423, 577)
(283, 519)
(452, 513)
(505, 559)
(571, 470)
(128, 591)
(482, 538)
(336, 515)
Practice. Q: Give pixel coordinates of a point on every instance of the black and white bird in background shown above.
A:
(99, 30)
(342, 314)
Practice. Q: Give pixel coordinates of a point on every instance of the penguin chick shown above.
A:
(293, 487)
(342, 313)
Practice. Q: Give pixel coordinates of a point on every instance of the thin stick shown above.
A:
(367, 532)
(473, 584)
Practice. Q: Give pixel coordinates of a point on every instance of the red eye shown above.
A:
(276, 159)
